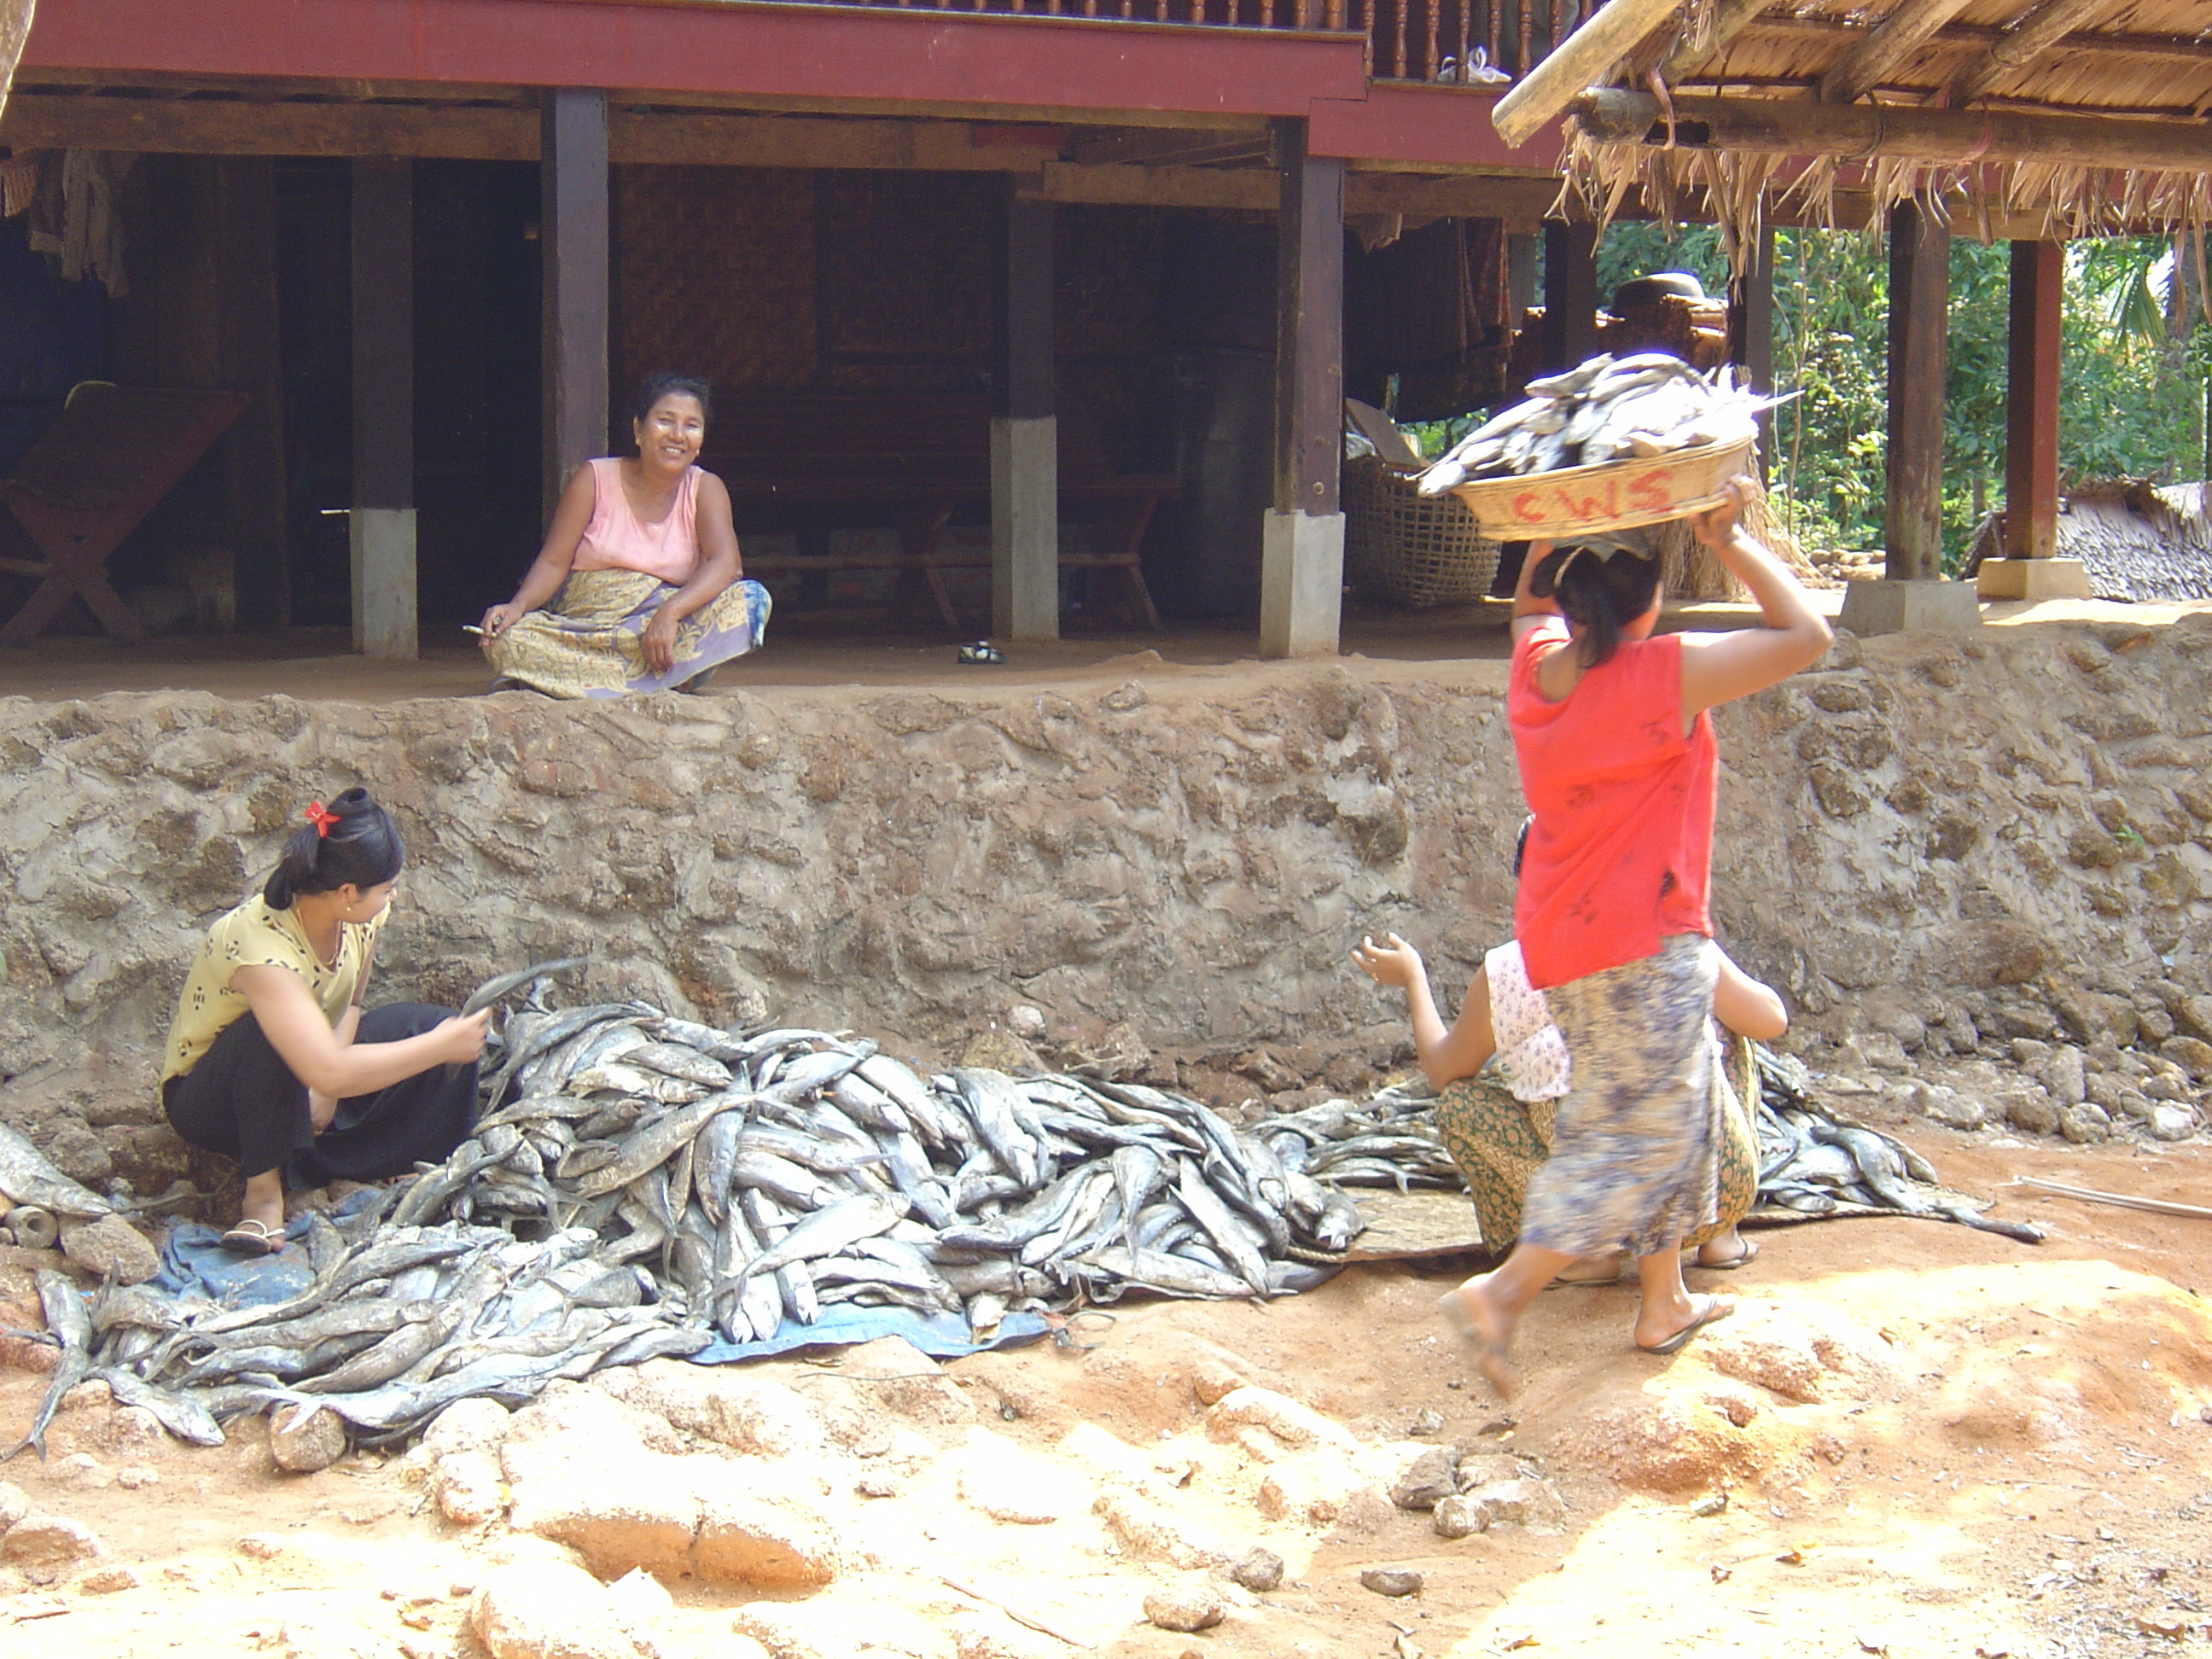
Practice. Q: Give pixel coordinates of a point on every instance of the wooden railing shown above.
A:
(1407, 40)
(1435, 39)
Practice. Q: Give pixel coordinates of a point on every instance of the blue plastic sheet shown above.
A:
(195, 1263)
(941, 1336)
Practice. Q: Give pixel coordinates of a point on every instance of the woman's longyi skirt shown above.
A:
(585, 644)
(1636, 1148)
(1499, 1142)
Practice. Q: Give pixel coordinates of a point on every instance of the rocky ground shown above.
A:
(1912, 1439)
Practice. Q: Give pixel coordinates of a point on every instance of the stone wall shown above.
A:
(2013, 820)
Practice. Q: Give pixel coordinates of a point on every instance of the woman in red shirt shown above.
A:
(1617, 761)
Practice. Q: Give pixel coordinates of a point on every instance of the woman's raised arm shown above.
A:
(1717, 667)
(571, 518)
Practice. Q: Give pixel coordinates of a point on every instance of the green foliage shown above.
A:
(2136, 358)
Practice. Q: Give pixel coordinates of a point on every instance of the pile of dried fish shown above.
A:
(643, 1185)
(1652, 404)
(1813, 1162)
(1391, 1141)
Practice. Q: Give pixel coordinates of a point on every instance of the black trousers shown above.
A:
(242, 1101)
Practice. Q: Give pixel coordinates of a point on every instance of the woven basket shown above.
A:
(1613, 496)
(1408, 548)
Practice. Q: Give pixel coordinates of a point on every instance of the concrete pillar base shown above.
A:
(1025, 528)
(1301, 584)
(382, 547)
(1898, 607)
(2033, 579)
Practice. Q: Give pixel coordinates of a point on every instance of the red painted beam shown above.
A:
(765, 50)
(1441, 125)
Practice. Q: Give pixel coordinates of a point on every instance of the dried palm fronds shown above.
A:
(1690, 570)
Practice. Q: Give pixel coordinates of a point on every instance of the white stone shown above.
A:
(1301, 584)
(2033, 579)
(547, 1610)
(2172, 1122)
(1902, 607)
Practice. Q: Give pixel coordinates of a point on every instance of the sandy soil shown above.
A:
(1931, 1441)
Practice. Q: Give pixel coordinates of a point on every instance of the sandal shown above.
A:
(1621, 1267)
(252, 1237)
(1490, 1356)
(1743, 1258)
(1715, 1309)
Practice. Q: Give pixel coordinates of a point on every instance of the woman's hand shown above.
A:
(658, 640)
(1716, 525)
(1395, 963)
(462, 1038)
(499, 619)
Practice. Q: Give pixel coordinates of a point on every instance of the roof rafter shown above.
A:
(1888, 44)
(2028, 39)
(1689, 57)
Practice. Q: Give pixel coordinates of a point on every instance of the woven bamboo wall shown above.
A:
(778, 281)
(715, 276)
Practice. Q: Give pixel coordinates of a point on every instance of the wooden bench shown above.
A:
(792, 459)
(99, 469)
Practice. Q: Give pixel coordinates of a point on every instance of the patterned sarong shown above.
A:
(585, 644)
(1635, 1146)
(1499, 1142)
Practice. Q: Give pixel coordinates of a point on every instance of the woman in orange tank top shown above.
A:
(1617, 759)
(639, 585)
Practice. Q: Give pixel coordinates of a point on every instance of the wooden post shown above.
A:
(250, 357)
(1520, 279)
(1302, 557)
(573, 249)
(2031, 568)
(1919, 298)
(1025, 433)
(381, 524)
(1750, 331)
(2039, 276)
(1570, 294)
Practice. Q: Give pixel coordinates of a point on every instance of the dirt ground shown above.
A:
(1929, 1440)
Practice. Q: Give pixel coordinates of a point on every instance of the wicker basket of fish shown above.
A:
(1608, 446)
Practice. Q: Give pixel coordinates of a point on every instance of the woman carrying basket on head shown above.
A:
(1617, 759)
(273, 1058)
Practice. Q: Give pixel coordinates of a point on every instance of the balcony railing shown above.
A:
(1407, 40)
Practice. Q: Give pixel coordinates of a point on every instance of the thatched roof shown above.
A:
(2140, 542)
(2052, 118)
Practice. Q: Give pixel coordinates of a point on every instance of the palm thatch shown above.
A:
(2036, 119)
(2140, 542)
(1689, 571)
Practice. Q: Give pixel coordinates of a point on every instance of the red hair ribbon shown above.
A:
(321, 817)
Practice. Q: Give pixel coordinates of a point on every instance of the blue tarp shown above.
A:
(194, 1262)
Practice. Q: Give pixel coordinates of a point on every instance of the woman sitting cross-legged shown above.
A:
(639, 585)
(272, 1058)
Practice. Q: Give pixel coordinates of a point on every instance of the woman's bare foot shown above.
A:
(1605, 1269)
(1489, 1327)
(1730, 1250)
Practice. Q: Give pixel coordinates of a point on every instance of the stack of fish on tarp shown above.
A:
(1607, 409)
(642, 1185)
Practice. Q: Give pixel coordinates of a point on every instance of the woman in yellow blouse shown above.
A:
(271, 1058)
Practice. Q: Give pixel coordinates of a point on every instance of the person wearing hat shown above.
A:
(1614, 743)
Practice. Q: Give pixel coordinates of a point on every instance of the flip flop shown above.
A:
(1749, 1254)
(252, 1237)
(1715, 1309)
(1622, 1269)
(1491, 1358)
